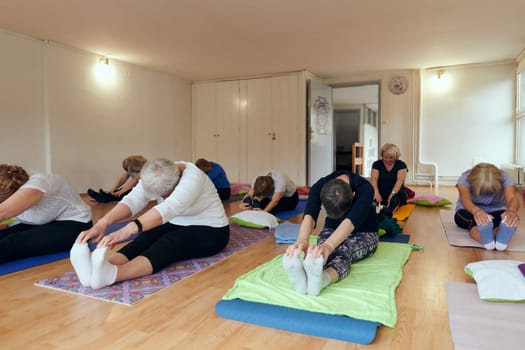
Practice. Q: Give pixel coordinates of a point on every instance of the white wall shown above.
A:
(76, 127)
(469, 122)
(22, 140)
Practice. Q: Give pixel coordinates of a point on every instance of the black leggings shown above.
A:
(168, 243)
(465, 219)
(23, 240)
(224, 193)
(284, 204)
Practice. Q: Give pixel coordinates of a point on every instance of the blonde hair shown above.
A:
(485, 178)
(391, 149)
(12, 177)
(133, 164)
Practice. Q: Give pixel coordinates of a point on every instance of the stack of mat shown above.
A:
(350, 310)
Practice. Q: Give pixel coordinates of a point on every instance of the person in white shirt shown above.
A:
(189, 221)
(49, 213)
(272, 191)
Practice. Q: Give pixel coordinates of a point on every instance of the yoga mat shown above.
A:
(300, 321)
(285, 215)
(459, 237)
(132, 291)
(399, 238)
(26, 263)
(287, 232)
(404, 211)
(367, 293)
(481, 325)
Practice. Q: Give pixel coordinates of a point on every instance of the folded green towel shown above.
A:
(368, 293)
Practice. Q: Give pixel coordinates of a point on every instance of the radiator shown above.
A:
(516, 171)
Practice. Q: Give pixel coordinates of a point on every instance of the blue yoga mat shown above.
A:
(305, 322)
(399, 238)
(26, 263)
(287, 232)
(299, 209)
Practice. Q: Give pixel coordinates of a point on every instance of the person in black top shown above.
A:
(388, 178)
(349, 233)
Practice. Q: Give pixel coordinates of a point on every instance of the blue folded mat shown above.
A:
(299, 209)
(26, 263)
(398, 238)
(300, 321)
(287, 232)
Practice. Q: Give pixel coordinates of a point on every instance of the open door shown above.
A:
(321, 131)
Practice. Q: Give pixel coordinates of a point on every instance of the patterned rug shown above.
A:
(132, 291)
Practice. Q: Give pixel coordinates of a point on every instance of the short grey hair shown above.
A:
(159, 176)
(336, 197)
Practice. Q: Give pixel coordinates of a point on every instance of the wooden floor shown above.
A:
(182, 316)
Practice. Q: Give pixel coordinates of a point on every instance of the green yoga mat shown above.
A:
(368, 293)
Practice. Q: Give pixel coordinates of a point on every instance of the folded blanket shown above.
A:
(286, 232)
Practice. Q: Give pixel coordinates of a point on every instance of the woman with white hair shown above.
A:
(188, 222)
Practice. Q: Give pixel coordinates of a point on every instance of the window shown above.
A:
(520, 115)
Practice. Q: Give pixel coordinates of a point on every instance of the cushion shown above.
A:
(430, 200)
(498, 280)
(255, 219)
(239, 189)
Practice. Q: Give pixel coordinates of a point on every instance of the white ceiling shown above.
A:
(213, 39)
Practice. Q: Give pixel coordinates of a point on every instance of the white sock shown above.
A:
(295, 271)
(490, 246)
(315, 276)
(504, 235)
(80, 257)
(104, 273)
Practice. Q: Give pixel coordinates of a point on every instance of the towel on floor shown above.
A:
(367, 293)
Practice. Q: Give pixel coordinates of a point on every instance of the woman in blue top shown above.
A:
(487, 205)
(349, 233)
(217, 175)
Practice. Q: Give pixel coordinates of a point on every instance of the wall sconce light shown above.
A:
(104, 73)
(439, 81)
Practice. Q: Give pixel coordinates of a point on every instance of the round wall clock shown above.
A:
(398, 85)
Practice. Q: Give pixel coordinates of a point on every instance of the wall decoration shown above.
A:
(322, 111)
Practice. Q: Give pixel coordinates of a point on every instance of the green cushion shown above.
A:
(255, 219)
(430, 200)
(498, 280)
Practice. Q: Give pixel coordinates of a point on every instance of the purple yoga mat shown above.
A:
(522, 269)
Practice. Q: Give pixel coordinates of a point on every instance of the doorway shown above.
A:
(356, 119)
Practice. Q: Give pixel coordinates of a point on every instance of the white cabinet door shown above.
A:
(204, 121)
(249, 126)
(273, 125)
(286, 128)
(259, 128)
(228, 134)
(216, 124)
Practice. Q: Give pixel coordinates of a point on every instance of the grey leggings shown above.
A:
(357, 246)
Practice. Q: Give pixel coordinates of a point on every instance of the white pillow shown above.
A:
(255, 219)
(498, 280)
